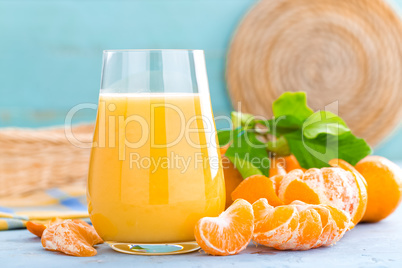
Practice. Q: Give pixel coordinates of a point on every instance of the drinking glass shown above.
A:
(155, 166)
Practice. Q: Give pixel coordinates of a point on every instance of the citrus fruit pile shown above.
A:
(72, 237)
(303, 209)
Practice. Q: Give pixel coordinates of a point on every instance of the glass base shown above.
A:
(155, 249)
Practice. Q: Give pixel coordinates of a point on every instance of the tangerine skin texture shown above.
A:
(384, 182)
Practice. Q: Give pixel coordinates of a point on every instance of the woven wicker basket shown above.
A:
(344, 53)
(38, 159)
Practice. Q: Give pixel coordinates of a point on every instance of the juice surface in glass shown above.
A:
(155, 169)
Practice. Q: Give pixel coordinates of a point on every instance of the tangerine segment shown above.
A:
(71, 237)
(308, 231)
(256, 187)
(328, 225)
(229, 233)
(335, 223)
(294, 188)
(261, 209)
(384, 180)
(274, 226)
(277, 180)
(342, 223)
(358, 212)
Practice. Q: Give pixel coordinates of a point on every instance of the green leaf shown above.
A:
(242, 120)
(315, 153)
(300, 149)
(224, 136)
(280, 147)
(314, 138)
(353, 149)
(249, 154)
(245, 167)
(324, 122)
(282, 125)
(293, 104)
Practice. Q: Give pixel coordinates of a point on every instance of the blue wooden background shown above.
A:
(50, 51)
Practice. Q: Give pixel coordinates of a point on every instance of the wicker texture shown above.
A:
(348, 51)
(33, 160)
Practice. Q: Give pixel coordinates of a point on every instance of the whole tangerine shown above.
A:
(384, 187)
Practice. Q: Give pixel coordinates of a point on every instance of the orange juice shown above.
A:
(155, 168)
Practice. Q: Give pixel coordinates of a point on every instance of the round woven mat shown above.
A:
(346, 54)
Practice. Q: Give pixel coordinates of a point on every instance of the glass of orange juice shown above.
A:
(155, 167)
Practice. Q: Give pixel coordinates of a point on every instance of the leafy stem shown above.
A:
(313, 138)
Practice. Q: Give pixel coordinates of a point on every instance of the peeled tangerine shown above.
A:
(72, 237)
(298, 226)
(340, 186)
(299, 210)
